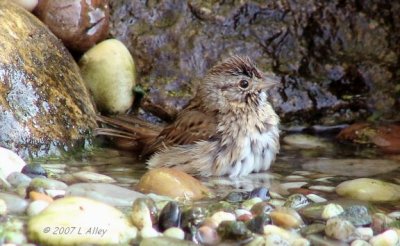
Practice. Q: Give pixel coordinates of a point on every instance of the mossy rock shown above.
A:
(44, 104)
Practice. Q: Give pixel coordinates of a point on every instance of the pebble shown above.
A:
(35, 196)
(165, 241)
(357, 214)
(359, 242)
(296, 201)
(193, 218)
(233, 230)
(141, 216)
(36, 207)
(175, 232)
(149, 232)
(292, 185)
(91, 177)
(340, 229)
(322, 188)
(331, 210)
(234, 196)
(284, 234)
(34, 170)
(207, 235)
(15, 204)
(27, 4)
(261, 192)
(304, 141)
(55, 193)
(248, 204)
(9, 162)
(18, 179)
(364, 233)
(108, 193)
(175, 184)
(3, 207)
(316, 198)
(261, 208)
(286, 217)
(99, 223)
(387, 238)
(220, 216)
(257, 223)
(47, 184)
(170, 216)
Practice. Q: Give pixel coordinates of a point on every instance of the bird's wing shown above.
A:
(189, 127)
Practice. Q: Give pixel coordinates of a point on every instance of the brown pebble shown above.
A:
(33, 195)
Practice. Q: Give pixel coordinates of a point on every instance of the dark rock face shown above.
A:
(338, 59)
(44, 105)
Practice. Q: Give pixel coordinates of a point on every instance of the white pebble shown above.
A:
(365, 233)
(359, 242)
(175, 232)
(316, 198)
(54, 193)
(386, 238)
(322, 188)
(36, 207)
(220, 216)
(248, 204)
(301, 242)
(27, 4)
(331, 210)
(148, 232)
(292, 185)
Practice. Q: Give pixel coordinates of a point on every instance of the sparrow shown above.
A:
(229, 128)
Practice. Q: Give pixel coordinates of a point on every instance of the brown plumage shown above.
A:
(228, 128)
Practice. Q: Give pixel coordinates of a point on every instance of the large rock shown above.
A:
(336, 58)
(44, 105)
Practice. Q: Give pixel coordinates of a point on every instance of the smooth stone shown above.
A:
(34, 170)
(316, 198)
(304, 141)
(314, 228)
(18, 179)
(358, 215)
(240, 212)
(296, 201)
(233, 230)
(175, 184)
(248, 204)
(286, 217)
(36, 207)
(207, 235)
(175, 232)
(48, 184)
(261, 208)
(141, 216)
(364, 233)
(261, 192)
(380, 222)
(257, 223)
(331, 210)
(359, 242)
(91, 177)
(149, 232)
(341, 229)
(351, 167)
(55, 193)
(193, 218)
(387, 238)
(109, 72)
(27, 4)
(170, 216)
(9, 162)
(220, 216)
(292, 185)
(322, 188)
(234, 196)
(108, 193)
(367, 189)
(98, 223)
(15, 204)
(165, 241)
(3, 207)
(35, 196)
(288, 236)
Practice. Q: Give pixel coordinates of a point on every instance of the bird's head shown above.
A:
(236, 83)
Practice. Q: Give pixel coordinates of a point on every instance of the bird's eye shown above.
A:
(244, 84)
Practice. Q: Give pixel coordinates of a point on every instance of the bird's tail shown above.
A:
(127, 132)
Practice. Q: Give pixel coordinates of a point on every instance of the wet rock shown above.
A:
(9, 162)
(380, 222)
(286, 218)
(286, 235)
(141, 215)
(331, 210)
(36, 119)
(357, 215)
(36, 196)
(257, 223)
(36, 207)
(108, 193)
(262, 208)
(351, 167)
(193, 218)
(314, 228)
(18, 179)
(221, 206)
(27, 4)
(340, 229)
(316, 198)
(80, 213)
(15, 204)
(165, 241)
(389, 237)
(207, 235)
(47, 183)
(364, 233)
(175, 184)
(233, 230)
(174, 232)
(109, 71)
(170, 216)
(367, 189)
(79, 24)
(304, 141)
(91, 177)
(296, 201)
(248, 204)
(221, 216)
(234, 196)
(34, 170)
(261, 192)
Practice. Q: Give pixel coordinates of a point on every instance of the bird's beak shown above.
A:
(269, 80)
